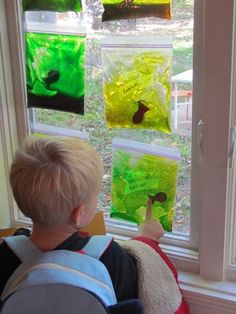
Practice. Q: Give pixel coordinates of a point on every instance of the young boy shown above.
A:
(55, 182)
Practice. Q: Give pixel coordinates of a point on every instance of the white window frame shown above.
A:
(230, 249)
(8, 130)
(211, 260)
(212, 90)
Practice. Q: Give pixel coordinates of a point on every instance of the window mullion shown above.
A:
(8, 129)
(215, 115)
(15, 35)
(230, 252)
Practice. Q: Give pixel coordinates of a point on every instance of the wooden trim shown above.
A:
(96, 227)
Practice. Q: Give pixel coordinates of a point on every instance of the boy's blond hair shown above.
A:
(51, 176)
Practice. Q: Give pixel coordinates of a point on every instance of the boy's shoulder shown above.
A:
(9, 262)
(57, 268)
(7, 257)
(77, 241)
(120, 265)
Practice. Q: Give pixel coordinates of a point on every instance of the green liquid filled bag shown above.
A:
(137, 82)
(131, 9)
(55, 71)
(140, 172)
(52, 5)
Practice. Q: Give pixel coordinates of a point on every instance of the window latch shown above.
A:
(199, 137)
(232, 148)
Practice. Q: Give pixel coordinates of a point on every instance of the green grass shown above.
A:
(179, 55)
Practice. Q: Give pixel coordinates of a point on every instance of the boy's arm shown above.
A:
(122, 266)
(123, 271)
(150, 228)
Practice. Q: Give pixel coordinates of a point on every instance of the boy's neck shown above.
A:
(47, 238)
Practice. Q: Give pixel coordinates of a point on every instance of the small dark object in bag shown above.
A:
(52, 77)
(159, 197)
(139, 114)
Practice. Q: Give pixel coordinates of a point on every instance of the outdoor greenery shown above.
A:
(94, 120)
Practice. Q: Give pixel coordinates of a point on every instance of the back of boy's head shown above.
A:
(51, 176)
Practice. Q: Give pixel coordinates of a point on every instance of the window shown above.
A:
(210, 250)
(94, 121)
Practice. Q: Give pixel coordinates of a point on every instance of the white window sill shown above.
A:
(207, 296)
(203, 296)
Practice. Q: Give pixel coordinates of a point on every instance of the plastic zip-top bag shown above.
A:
(137, 82)
(142, 171)
(52, 5)
(55, 70)
(131, 9)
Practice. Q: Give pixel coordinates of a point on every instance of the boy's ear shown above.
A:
(77, 214)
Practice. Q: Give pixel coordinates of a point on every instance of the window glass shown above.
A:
(180, 28)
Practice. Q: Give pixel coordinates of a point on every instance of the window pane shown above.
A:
(181, 30)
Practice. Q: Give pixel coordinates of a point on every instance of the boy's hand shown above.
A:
(150, 228)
